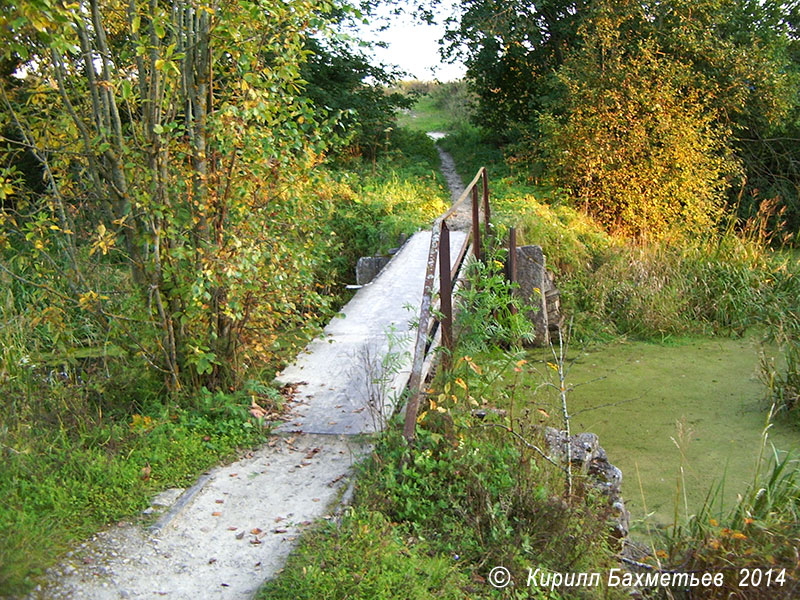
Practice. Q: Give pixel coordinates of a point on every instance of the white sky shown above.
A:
(414, 47)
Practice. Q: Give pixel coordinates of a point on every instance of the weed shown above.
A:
(376, 369)
(490, 315)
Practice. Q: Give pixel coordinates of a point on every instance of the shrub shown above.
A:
(637, 148)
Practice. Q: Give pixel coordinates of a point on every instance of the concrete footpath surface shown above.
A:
(235, 527)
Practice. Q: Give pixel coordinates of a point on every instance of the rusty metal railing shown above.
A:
(428, 319)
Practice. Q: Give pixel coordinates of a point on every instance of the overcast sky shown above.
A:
(414, 47)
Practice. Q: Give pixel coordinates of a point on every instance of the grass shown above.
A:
(424, 117)
(444, 108)
(365, 557)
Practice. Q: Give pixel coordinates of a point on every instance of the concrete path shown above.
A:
(235, 528)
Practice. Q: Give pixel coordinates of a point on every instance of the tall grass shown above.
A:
(756, 544)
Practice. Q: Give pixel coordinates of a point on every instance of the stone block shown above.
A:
(532, 280)
(368, 268)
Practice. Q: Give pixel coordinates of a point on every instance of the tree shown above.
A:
(342, 82)
(731, 66)
(638, 147)
(170, 136)
(510, 50)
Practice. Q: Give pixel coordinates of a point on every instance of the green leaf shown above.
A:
(125, 89)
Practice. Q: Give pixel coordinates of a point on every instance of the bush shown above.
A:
(637, 149)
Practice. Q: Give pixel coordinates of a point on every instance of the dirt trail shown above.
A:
(462, 218)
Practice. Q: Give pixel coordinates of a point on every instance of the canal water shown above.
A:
(692, 412)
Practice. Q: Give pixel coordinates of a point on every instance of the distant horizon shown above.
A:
(413, 47)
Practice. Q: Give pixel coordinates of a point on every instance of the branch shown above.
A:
(40, 286)
(526, 442)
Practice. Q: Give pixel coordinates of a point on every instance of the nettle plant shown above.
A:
(176, 152)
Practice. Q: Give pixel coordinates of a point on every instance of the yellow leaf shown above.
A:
(460, 383)
(422, 416)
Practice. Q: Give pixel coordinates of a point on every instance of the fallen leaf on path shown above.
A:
(311, 453)
(216, 514)
(232, 528)
(218, 501)
(255, 531)
(255, 541)
(279, 530)
(211, 561)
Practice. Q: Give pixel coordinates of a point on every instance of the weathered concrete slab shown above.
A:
(235, 527)
(368, 267)
(337, 394)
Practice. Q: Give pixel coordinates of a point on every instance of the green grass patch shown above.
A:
(444, 108)
(425, 116)
(365, 557)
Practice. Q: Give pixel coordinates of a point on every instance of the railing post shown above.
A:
(511, 263)
(445, 295)
(486, 211)
(476, 226)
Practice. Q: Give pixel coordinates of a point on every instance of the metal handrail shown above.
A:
(440, 247)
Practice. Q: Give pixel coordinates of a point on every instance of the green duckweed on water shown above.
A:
(650, 403)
